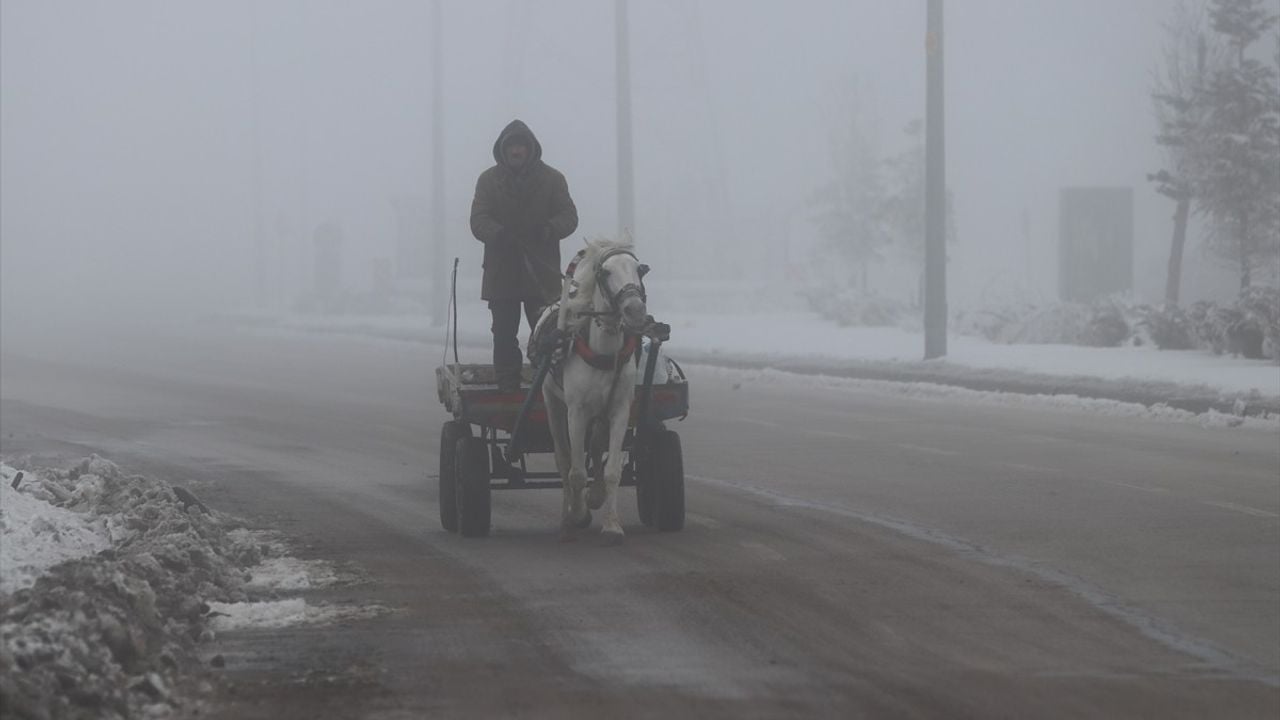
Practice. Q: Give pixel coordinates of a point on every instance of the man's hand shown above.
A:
(655, 330)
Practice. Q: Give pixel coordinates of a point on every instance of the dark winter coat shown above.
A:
(521, 218)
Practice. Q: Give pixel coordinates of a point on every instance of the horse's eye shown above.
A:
(643, 269)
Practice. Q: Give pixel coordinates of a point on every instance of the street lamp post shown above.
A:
(626, 178)
(439, 272)
(935, 295)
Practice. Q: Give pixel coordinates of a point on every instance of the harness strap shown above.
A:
(601, 361)
(573, 264)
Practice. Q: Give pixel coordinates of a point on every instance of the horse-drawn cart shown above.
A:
(477, 457)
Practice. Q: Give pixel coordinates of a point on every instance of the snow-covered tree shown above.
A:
(903, 208)
(847, 207)
(1235, 171)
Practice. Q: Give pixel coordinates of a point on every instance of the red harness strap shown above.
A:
(600, 361)
(573, 264)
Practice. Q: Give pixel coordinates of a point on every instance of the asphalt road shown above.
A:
(847, 552)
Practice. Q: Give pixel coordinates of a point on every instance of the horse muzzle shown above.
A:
(634, 313)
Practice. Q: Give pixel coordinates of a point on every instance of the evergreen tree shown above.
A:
(1235, 168)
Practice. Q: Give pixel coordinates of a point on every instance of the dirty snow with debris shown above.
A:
(109, 581)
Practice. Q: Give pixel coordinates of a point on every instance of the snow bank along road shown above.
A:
(847, 549)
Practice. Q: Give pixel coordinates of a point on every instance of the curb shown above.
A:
(1195, 399)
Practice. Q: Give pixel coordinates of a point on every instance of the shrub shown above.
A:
(1260, 308)
(1106, 326)
(1167, 326)
(1232, 330)
(851, 308)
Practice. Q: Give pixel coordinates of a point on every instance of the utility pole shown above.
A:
(626, 176)
(439, 272)
(935, 220)
(259, 242)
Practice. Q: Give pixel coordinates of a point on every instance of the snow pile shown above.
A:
(270, 614)
(37, 535)
(108, 635)
(279, 574)
(934, 391)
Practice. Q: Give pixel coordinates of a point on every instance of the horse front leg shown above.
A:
(558, 423)
(612, 527)
(576, 481)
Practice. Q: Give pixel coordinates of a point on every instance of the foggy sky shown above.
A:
(127, 130)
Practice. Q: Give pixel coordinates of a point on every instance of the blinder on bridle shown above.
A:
(629, 290)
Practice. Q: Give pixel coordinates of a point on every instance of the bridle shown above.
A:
(617, 299)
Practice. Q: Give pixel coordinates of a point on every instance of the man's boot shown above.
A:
(508, 379)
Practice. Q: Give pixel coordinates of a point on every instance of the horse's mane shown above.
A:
(585, 274)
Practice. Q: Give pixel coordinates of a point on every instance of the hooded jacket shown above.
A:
(521, 216)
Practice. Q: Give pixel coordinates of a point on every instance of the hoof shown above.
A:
(611, 539)
(595, 496)
(569, 528)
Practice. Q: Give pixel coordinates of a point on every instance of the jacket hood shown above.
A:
(514, 128)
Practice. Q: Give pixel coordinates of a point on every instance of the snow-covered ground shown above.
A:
(939, 392)
(805, 334)
(782, 336)
(108, 581)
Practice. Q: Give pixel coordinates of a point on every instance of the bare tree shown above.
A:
(903, 210)
(847, 208)
(1176, 89)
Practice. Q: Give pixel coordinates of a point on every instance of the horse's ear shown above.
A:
(643, 269)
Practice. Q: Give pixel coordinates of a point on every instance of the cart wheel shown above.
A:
(668, 485)
(472, 457)
(450, 432)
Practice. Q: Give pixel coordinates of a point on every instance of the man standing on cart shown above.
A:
(521, 212)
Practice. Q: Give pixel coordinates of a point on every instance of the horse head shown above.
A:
(620, 281)
(611, 284)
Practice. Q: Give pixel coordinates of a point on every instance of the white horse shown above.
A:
(593, 396)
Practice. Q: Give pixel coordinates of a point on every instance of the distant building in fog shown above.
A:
(412, 259)
(1095, 242)
(327, 277)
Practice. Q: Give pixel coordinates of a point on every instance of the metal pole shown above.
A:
(259, 242)
(935, 296)
(439, 294)
(626, 180)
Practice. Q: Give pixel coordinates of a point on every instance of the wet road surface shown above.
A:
(847, 552)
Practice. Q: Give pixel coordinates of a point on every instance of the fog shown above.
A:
(140, 140)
